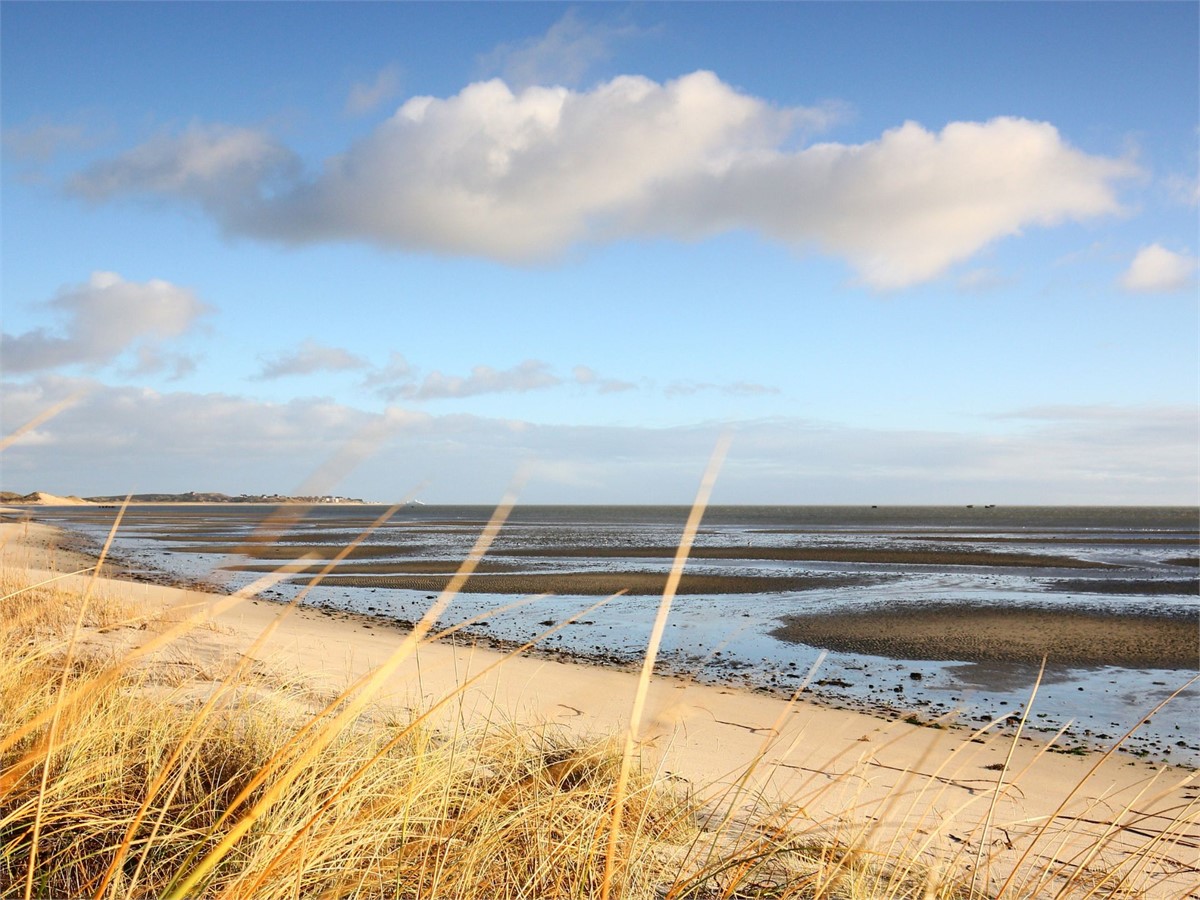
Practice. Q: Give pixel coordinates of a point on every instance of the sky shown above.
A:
(900, 253)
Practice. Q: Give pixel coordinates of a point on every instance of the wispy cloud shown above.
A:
(522, 177)
(40, 139)
(101, 320)
(311, 357)
(561, 56)
(981, 281)
(589, 377)
(366, 96)
(530, 375)
(399, 380)
(150, 359)
(223, 168)
(1182, 189)
(389, 377)
(736, 388)
(1157, 270)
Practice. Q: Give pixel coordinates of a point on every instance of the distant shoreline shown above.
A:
(217, 498)
(191, 498)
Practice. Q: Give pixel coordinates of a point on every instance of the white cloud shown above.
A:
(120, 438)
(983, 280)
(225, 169)
(364, 97)
(1156, 269)
(390, 378)
(904, 208)
(1182, 189)
(152, 359)
(123, 438)
(562, 55)
(586, 376)
(105, 317)
(521, 177)
(530, 375)
(38, 141)
(311, 357)
(736, 388)
(399, 380)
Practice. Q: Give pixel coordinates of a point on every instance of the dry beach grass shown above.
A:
(156, 742)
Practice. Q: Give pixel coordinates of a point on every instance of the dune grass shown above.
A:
(120, 779)
(115, 782)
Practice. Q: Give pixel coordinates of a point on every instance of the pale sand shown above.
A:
(900, 785)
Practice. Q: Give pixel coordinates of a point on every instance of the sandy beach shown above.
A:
(939, 792)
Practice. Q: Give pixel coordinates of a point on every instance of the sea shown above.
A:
(770, 565)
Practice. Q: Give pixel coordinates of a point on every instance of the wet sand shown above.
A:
(600, 584)
(1032, 538)
(408, 567)
(295, 551)
(1144, 588)
(832, 554)
(295, 546)
(1006, 634)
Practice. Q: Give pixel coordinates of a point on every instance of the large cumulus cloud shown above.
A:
(523, 176)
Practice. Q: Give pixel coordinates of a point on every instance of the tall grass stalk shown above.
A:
(187, 745)
(660, 623)
(56, 716)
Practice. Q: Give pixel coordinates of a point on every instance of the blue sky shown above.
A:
(905, 253)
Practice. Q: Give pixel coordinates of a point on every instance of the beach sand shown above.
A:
(889, 782)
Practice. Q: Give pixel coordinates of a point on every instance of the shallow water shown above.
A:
(1107, 559)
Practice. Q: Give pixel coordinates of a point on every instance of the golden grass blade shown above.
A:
(738, 787)
(746, 772)
(22, 620)
(912, 854)
(56, 717)
(660, 624)
(47, 581)
(1187, 815)
(352, 708)
(404, 732)
(1077, 787)
(1012, 748)
(226, 685)
(40, 419)
(1097, 845)
(157, 642)
(499, 611)
(268, 769)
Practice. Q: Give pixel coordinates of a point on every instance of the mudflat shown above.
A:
(1009, 634)
(886, 555)
(599, 584)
